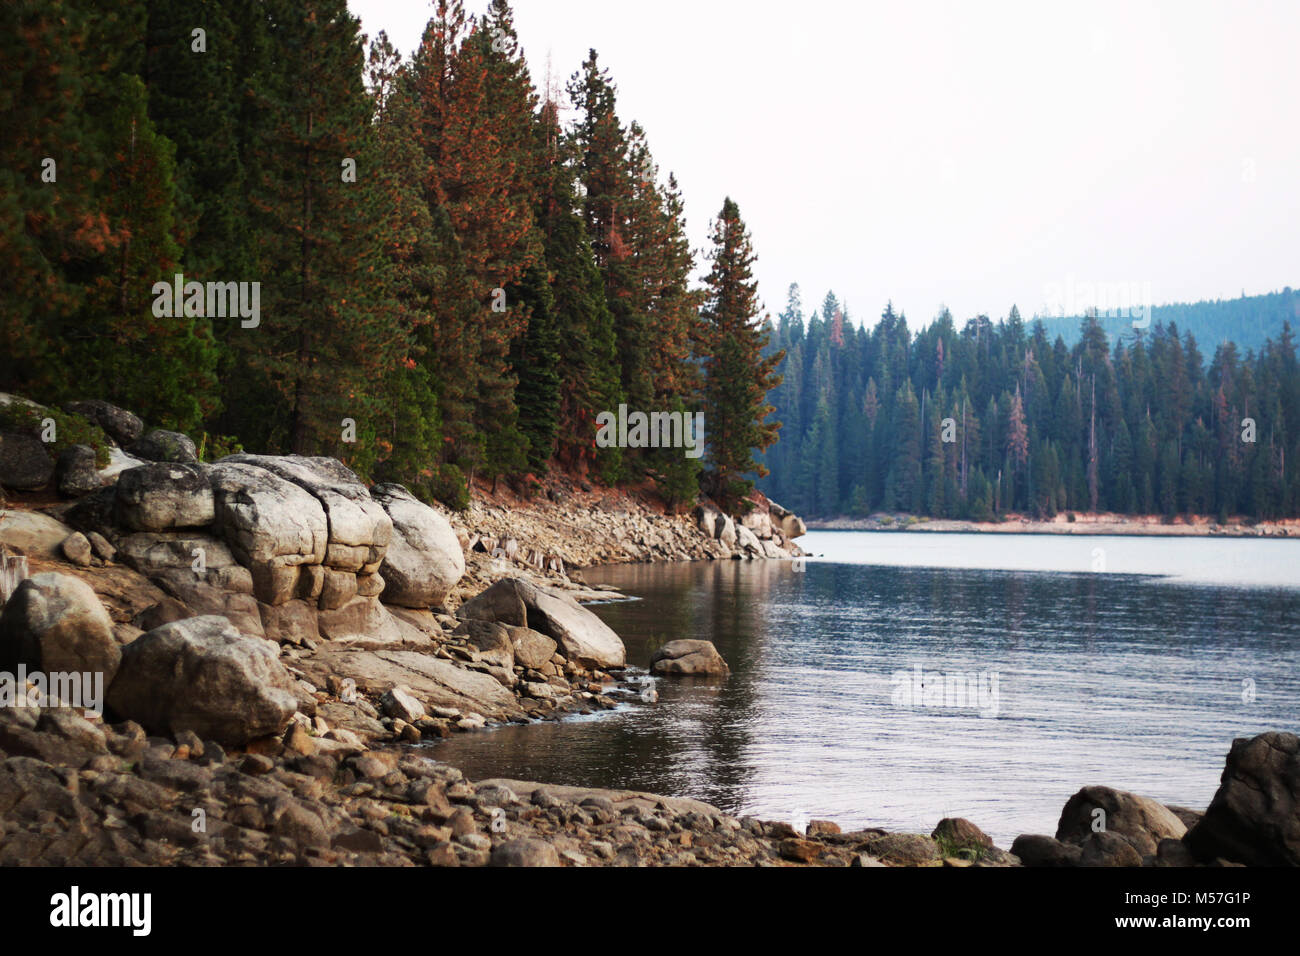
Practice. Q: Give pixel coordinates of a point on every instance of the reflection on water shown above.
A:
(1123, 679)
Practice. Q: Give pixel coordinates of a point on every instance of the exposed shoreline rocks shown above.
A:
(274, 640)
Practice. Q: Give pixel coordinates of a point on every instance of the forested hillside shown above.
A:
(994, 417)
(1248, 321)
(451, 283)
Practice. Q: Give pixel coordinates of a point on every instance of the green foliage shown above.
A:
(215, 447)
(69, 429)
(447, 485)
(1141, 424)
(379, 304)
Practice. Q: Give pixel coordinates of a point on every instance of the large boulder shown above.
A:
(117, 423)
(202, 675)
(581, 635)
(359, 529)
(433, 681)
(75, 473)
(162, 445)
(1254, 817)
(491, 640)
(689, 658)
(707, 518)
(361, 622)
(229, 597)
(792, 527)
(424, 559)
(1038, 850)
(532, 648)
(506, 601)
(149, 552)
(32, 533)
(273, 526)
(55, 622)
(1142, 820)
(759, 522)
(747, 543)
(164, 495)
(25, 465)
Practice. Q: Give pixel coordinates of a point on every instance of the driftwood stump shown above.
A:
(13, 572)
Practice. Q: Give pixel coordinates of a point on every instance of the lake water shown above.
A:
(901, 678)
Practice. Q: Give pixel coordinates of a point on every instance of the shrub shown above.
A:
(69, 428)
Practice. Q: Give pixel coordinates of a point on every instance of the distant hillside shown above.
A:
(1247, 321)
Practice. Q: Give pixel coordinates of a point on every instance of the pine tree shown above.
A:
(737, 375)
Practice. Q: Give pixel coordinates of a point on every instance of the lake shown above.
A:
(898, 678)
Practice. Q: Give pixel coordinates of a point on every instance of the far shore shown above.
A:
(1082, 524)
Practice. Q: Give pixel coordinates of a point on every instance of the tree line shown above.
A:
(453, 281)
(996, 417)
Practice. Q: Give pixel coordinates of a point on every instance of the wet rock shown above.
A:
(689, 658)
(203, 675)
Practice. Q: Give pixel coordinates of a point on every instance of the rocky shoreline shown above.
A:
(266, 643)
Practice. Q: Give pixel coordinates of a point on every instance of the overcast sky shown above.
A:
(958, 153)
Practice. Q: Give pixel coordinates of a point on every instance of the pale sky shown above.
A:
(959, 153)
